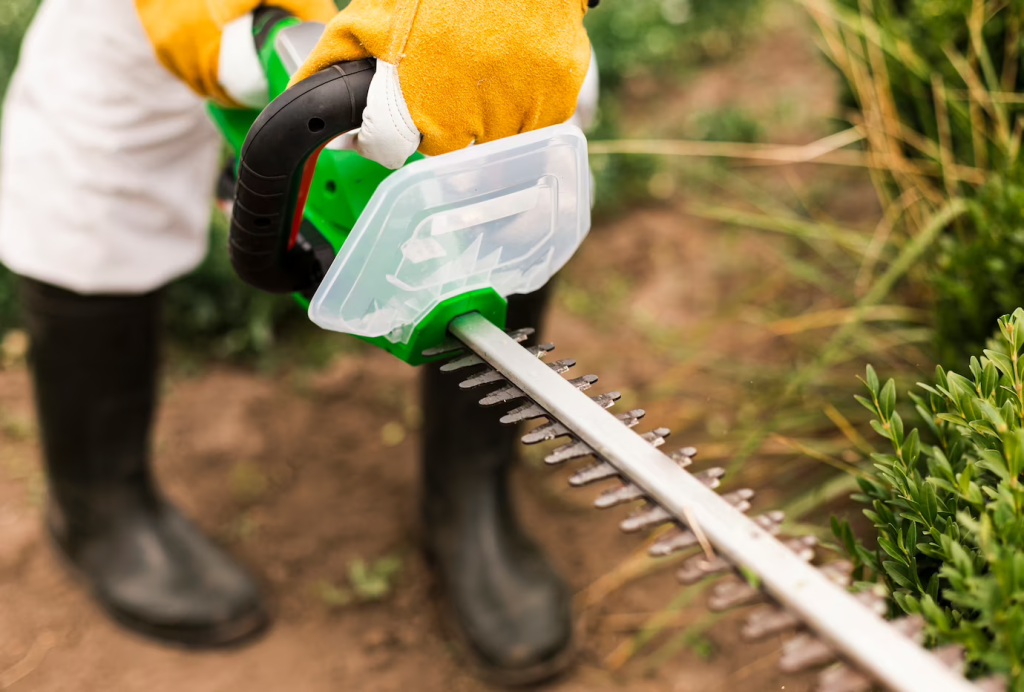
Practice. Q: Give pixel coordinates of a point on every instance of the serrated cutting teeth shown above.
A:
(732, 593)
(578, 450)
(531, 410)
(684, 538)
(711, 477)
(739, 498)
(573, 450)
(699, 566)
(682, 457)
(545, 432)
(840, 678)
(454, 345)
(657, 436)
(768, 621)
(617, 496)
(805, 651)
(600, 471)
(645, 519)
(522, 413)
(490, 376)
(473, 359)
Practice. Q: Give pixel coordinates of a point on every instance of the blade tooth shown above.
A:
(839, 572)
(841, 678)
(681, 457)
(486, 377)
(770, 521)
(584, 383)
(873, 601)
(649, 517)
(731, 593)
(463, 362)
(767, 621)
(545, 432)
(804, 652)
(617, 496)
(521, 335)
(492, 375)
(606, 400)
(803, 547)
(684, 538)
(657, 436)
(576, 450)
(991, 684)
(509, 392)
(468, 361)
(446, 346)
(673, 542)
(541, 350)
(630, 418)
(525, 412)
(600, 471)
(573, 450)
(711, 477)
(951, 655)
(560, 366)
(910, 626)
(739, 498)
(699, 566)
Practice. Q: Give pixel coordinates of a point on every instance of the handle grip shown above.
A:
(275, 170)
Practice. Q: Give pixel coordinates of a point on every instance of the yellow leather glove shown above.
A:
(187, 34)
(454, 72)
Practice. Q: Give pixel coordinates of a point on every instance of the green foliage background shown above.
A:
(965, 56)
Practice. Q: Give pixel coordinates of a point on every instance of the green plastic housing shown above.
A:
(342, 185)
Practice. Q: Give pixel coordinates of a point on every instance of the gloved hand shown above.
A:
(454, 72)
(187, 34)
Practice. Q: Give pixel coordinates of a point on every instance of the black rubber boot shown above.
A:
(94, 360)
(509, 606)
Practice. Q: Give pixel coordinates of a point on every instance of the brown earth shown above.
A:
(301, 472)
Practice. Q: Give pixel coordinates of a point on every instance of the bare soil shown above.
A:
(299, 473)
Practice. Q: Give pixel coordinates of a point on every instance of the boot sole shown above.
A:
(543, 671)
(238, 632)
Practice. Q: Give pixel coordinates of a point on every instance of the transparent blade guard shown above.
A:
(504, 215)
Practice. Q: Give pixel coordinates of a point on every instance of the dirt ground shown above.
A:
(300, 473)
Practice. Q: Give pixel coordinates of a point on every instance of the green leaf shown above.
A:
(866, 403)
(899, 574)
(890, 548)
(880, 430)
(911, 449)
(872, 380)
(992, 414)
(1001, 361)
(887, 399)
(896, 426)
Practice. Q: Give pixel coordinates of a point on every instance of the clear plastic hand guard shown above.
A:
(504, 215)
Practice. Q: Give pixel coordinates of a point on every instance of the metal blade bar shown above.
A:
(864, 638)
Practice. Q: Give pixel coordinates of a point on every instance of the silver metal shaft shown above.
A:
(865, 639)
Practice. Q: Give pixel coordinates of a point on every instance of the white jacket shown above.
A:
(107, 161)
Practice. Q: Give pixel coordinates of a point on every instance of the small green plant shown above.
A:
(949, 505)
(368, 582)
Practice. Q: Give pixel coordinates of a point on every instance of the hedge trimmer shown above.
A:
(419, 262)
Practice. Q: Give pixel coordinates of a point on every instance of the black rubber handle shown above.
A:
(276, 166)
